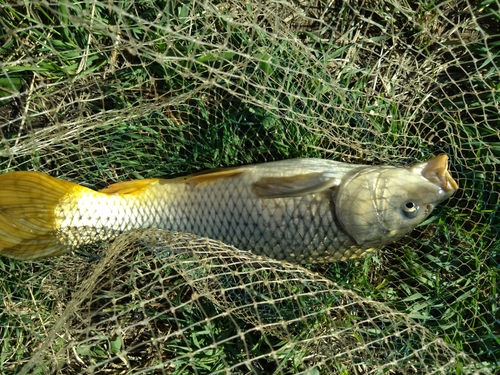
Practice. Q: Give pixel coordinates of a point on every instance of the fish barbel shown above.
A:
(301, 210)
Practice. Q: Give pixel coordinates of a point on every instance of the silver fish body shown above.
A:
(302, 210)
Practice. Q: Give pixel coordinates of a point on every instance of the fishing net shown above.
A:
(98, 92)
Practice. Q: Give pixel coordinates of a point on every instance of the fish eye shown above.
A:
(410, 210)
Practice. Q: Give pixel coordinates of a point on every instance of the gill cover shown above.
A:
(377, 205)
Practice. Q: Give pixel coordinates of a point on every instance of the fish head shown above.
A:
(378, 205)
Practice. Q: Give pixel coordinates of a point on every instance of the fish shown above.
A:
(296, 210)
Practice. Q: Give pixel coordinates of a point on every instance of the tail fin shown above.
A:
(27, 214)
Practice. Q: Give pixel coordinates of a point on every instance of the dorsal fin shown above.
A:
(128, 187)
(212, 175)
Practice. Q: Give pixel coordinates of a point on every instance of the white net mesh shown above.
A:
(97, 92)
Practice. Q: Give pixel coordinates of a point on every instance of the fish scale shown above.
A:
(302, 224)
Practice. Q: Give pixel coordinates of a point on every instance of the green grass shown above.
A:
(187, 89)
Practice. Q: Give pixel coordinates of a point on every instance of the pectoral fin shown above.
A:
(293, 186)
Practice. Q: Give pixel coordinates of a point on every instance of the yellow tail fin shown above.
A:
(27, 212)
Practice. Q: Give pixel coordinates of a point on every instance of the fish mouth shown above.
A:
(436, 171)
